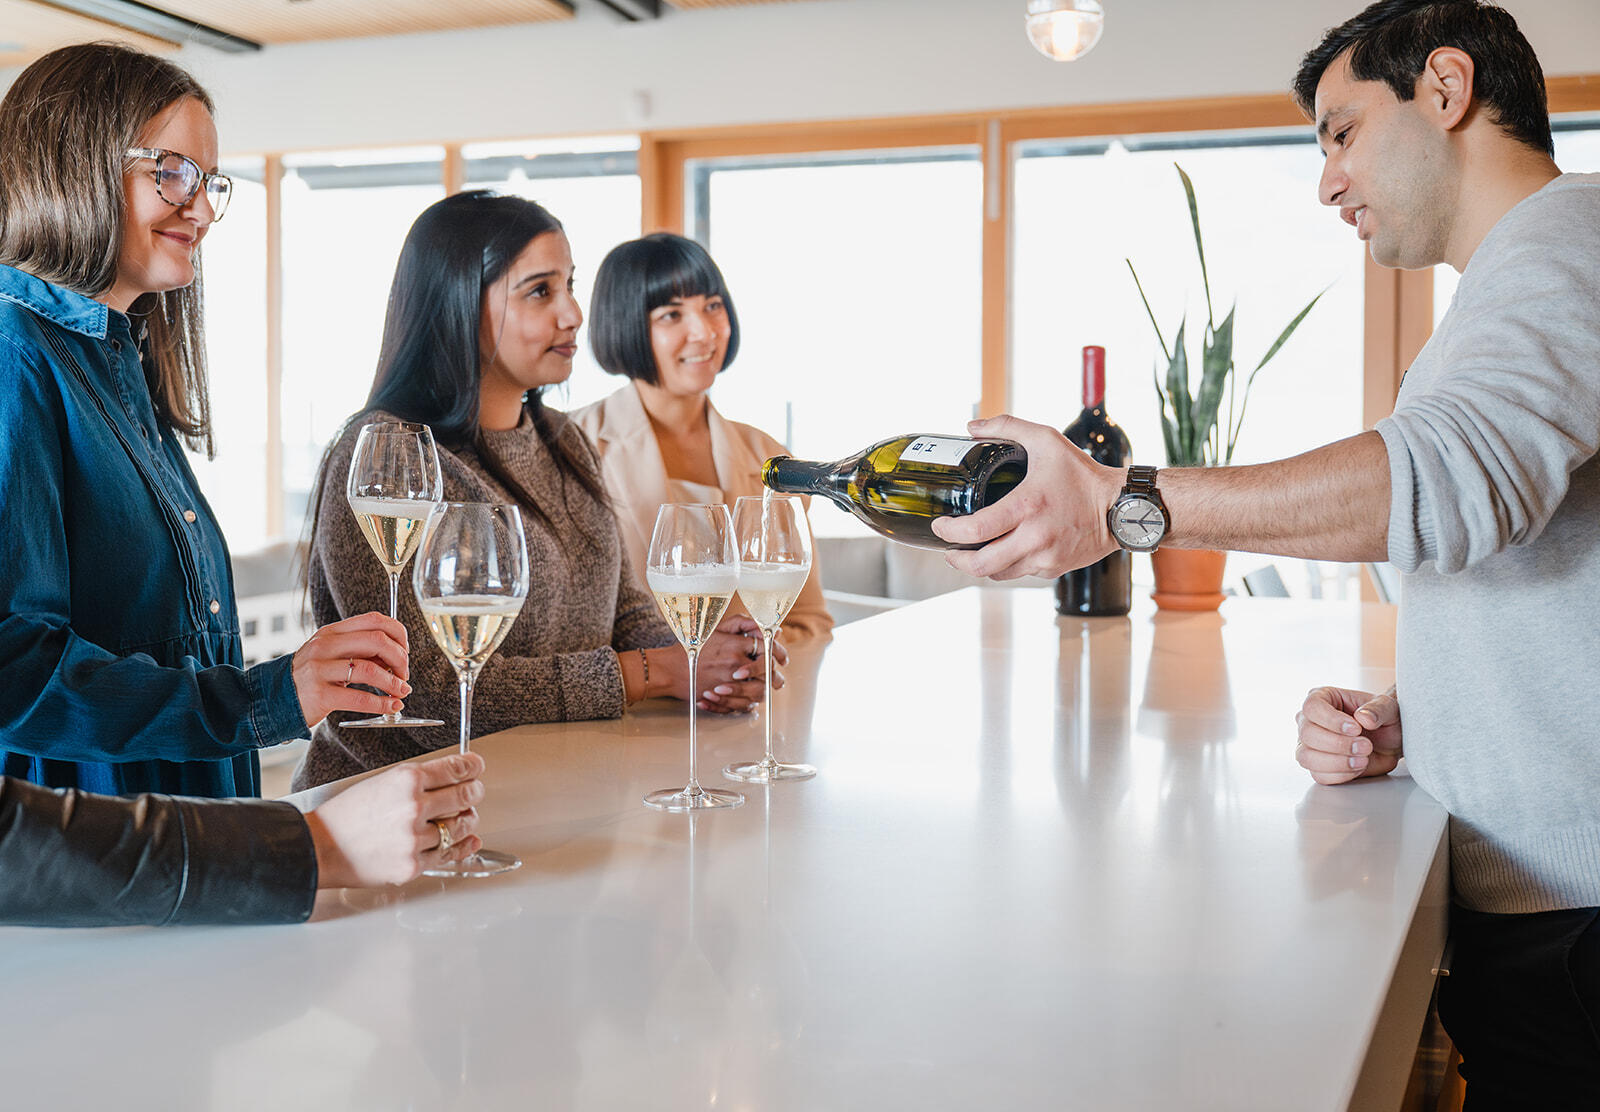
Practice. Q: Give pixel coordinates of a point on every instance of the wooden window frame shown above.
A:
(1398, 304)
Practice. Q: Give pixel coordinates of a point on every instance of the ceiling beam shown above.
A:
(635, 11)
(153, 21)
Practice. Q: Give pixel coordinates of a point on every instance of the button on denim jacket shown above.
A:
(120, 659)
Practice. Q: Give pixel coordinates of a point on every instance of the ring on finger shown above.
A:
(445, 841)
(350, 673)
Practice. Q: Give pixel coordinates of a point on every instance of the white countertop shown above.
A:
(1046, 863)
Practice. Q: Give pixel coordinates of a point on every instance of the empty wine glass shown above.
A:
(471, 578)
(693, 570)
(774, 559)
(394, 482)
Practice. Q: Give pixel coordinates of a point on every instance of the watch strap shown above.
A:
(1141, 480)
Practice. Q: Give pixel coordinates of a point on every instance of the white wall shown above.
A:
(819, 59)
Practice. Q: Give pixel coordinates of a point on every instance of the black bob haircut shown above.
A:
(637, 278)
(1391, 40)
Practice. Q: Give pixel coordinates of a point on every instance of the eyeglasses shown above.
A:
(179, 178)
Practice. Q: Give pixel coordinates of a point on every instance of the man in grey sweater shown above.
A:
(1483, 486)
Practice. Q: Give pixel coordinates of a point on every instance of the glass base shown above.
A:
(485, 862)
(384, 720)
(767, 772)
(692, 798)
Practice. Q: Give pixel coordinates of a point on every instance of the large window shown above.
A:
(592, 187)
(1083, 210)
(344, 218)
(235, 290)
(858, 286)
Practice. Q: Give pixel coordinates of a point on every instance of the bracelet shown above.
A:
(645, 661)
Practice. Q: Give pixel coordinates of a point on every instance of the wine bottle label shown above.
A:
(946, 450)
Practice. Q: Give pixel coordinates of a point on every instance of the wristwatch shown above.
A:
(1138, 518)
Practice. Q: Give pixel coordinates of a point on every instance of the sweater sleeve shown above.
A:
(519, 685)
(64, 697)
(1481, 452)
(73, 859)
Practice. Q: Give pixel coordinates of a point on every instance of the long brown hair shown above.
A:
(65, 126)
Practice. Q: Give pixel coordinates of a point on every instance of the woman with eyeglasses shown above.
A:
(120, 658)
(481, 324)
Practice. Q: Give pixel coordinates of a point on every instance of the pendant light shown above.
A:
(1064, 29)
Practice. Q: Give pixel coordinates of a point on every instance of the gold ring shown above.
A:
(351, 672)
(445, 841)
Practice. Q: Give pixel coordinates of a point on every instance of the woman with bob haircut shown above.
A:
(120, 658)
(481, 321)
(663, 317)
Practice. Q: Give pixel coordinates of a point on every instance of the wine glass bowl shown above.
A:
(774, 542)
(393, 484)
(693, 571)
(471, 579)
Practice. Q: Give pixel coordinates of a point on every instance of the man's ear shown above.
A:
(1446, 85)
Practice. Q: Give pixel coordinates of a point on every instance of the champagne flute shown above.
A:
(394, 482)
(693, 570)
(774, 560)
(471, 578)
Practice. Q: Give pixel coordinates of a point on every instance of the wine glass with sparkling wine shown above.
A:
(394, 482)
(774, 560)
(693, 570)
(471, 579)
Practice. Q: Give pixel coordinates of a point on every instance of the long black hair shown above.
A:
(635, 279)
(430, 361)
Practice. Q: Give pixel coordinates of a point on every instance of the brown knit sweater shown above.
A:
(559, 662)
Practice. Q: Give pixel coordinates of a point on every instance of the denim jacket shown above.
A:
(120, 659)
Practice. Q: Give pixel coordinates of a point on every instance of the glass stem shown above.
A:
(694, 699)
(766, 652)
(466, 707)
(394, 612)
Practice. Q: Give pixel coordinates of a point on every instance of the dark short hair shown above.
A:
(639, 277)
(1392, 39)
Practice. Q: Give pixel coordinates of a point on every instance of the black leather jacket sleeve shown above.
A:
(73, 859)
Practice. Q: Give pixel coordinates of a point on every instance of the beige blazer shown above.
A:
(630, 460)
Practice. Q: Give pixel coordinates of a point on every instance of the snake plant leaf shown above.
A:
(1216, 365)
(1168, 434)
(1140, 287)
(1199, 244)
(1244, 402)
(1178, 392)
(1287, 332)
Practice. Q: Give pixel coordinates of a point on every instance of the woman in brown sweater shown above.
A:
(481, 319)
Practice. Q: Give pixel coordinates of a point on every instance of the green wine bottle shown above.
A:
(897, 487)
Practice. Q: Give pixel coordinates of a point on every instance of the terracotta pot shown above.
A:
(1188, 578)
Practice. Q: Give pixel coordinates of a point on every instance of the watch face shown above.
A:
(1138, 523)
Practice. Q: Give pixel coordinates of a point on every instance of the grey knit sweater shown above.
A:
(558, 663)
(1495, 515)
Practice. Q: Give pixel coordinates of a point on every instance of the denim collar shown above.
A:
(70, 310)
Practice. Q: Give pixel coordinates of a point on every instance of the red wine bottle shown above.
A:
(1104, 589)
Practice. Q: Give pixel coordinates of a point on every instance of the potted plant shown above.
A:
(1193, 424)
